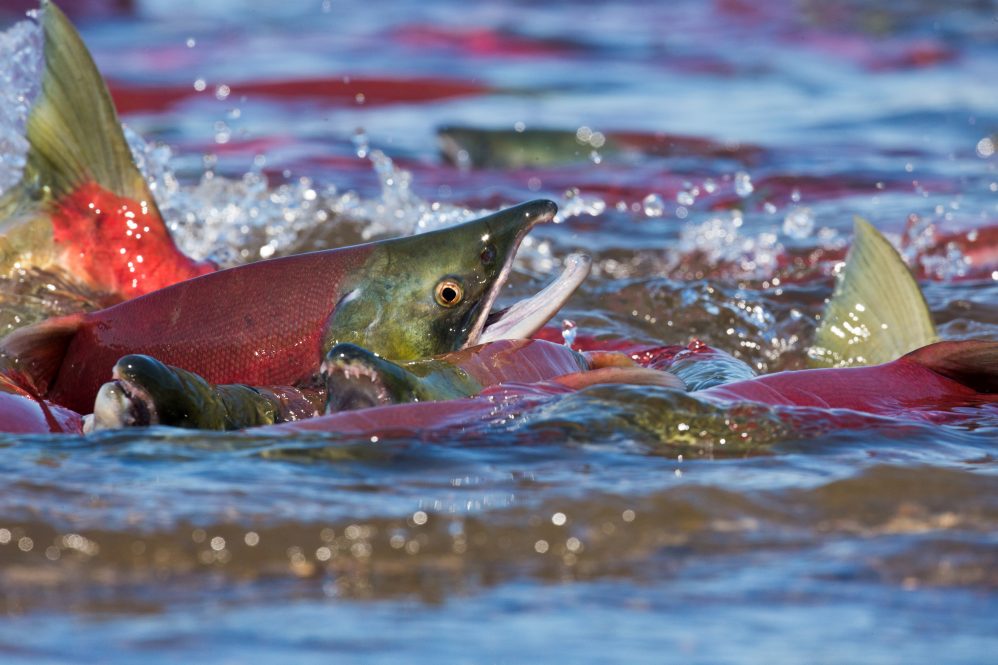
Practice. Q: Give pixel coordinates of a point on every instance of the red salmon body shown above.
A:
(902, 388)
(21, 413)
(118, 245)
(259, 324)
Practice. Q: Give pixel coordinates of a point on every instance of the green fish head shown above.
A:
(432, 293)
(356, 378)
(144, 391)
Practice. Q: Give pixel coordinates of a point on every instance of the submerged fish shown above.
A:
(145, 391)
(24, 413)
(886, 316)
(510, 149)
(82, 207)
(927, 385)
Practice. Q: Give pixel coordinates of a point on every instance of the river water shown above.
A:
(592, 531)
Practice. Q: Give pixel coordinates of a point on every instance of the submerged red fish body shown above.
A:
(914, 387)
(23, 413)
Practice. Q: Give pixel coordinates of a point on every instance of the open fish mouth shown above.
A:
(121, 403)
(353, 384)
(529, 315)
(526, 317)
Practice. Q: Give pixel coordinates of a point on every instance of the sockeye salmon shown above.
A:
(877, 310)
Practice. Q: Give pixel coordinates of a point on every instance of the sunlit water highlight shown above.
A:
(596, 529)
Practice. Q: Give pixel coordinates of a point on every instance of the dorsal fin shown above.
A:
(877, 312)
(974, 363)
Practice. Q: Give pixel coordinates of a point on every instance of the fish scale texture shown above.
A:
(259, 324)
(895, 388)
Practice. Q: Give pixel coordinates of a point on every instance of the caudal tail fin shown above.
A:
(877, 312)
(81, 202)
(974, 363)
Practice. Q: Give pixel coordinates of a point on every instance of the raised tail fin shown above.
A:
(974, 363)
(877, 312)
(82, 202)
(74, 104)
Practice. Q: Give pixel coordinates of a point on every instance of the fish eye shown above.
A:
(488, 254)
(448, 292)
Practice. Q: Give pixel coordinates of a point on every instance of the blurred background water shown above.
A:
(710, 156)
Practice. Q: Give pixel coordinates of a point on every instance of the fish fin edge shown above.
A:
(73, 130)
(877, 312)
(637, 376)
(34, 354)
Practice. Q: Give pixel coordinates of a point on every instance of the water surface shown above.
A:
(593, 530)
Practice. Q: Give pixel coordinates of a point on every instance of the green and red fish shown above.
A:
(282, 340)
(268, 323)
(82, 207)
(867, 320)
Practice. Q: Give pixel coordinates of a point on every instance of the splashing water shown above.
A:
(21, 53)
(599, 525)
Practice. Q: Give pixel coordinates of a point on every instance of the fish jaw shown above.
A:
(355, 379)
(393, 304)
(527, 316)
(121, 404)
(534, 213)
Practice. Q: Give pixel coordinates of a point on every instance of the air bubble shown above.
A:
(799, 222)
(653, 205)
(743, 184)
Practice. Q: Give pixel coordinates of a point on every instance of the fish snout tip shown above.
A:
(540, 211)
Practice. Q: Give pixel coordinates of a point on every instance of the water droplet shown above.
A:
(653, 205)
(743, 184)
(360, 143)
(799, 222)
(985, 147)
(569, 331)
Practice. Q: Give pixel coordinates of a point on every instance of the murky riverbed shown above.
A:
(594, 529)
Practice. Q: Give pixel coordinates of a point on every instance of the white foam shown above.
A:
(21, 55)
